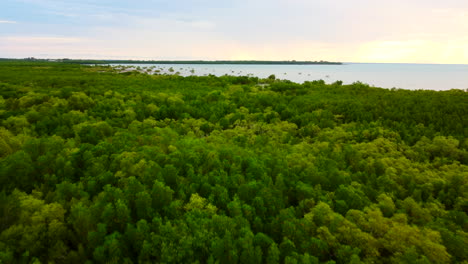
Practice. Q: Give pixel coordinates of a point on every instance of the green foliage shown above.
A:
(98, 167)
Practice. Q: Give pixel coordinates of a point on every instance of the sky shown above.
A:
(404, 31)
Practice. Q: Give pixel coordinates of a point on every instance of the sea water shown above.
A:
(385, 75)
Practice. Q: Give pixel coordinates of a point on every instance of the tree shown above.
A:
(273, 254)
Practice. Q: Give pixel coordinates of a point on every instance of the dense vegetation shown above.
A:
(99, 166)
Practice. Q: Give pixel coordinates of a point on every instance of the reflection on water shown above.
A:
(405, 76)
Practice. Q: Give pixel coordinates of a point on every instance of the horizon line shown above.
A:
(227, 60)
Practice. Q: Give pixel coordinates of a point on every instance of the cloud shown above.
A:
(55, 46)
(7, 22)
(340, 30)
(41, 40)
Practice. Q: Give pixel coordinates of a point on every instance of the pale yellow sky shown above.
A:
(412, 31)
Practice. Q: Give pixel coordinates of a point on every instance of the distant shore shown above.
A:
(236, 62)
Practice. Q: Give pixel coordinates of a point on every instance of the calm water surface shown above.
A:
(386, 75)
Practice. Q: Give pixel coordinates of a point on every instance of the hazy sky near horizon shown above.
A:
(414, 31)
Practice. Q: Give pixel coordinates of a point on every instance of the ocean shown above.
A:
(385, 75)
